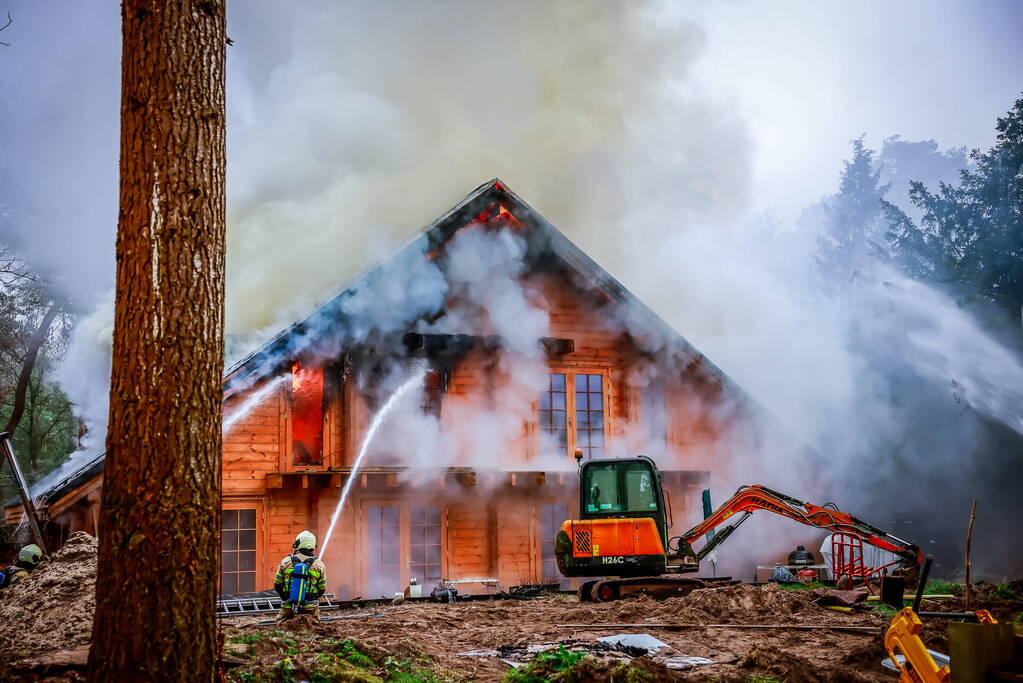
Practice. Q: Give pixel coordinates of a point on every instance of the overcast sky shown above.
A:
(804, 78)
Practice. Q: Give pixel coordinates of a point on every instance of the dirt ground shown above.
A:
(442, 631)
(47, 623)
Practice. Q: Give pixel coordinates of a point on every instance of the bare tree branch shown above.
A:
(26, 369)
(9, 22)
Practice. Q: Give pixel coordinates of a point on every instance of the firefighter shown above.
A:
(301, 579)
(28, 558)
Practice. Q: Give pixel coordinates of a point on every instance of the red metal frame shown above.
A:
(847, 558)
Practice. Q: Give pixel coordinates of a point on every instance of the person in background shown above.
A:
(28, 559)
(301, 579)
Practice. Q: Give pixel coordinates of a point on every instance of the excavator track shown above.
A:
(657, 587)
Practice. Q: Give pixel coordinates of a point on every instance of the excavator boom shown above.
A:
(748, 499)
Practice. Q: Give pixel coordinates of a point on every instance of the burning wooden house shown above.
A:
(512, 349)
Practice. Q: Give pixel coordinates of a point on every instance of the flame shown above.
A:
(296, 379)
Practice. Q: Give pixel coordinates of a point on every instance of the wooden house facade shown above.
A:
(483, 510)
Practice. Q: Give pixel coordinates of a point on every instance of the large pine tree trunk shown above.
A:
(159, 552)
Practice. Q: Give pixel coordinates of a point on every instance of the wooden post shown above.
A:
(969, 542)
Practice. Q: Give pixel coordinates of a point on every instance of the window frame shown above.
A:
(570, 373)
(404, 540)
(285, 454)
(264, 581)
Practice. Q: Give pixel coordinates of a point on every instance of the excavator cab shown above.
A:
(622, 488)
(622, 528)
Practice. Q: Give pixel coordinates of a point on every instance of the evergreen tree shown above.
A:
(853, 227)
(970, 235)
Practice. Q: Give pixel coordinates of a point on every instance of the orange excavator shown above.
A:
(622, 533)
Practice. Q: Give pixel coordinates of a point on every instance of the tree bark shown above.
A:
(34, 344)
(159, 554)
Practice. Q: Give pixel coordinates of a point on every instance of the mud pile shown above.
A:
(744, 604)
(52, 608)
(739, 604)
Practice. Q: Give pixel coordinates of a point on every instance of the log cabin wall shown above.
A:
(470, 525)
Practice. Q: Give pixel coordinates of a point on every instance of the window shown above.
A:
(433, 392)
(554, 411)
(578, 396)
(424, 544)
(307, 415)
(589, 415)
(238, 551)
(402, 542)
(619, 487)
(552, 515)
(655, 417)
(384, 545)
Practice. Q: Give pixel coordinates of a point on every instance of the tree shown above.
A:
(159, 558)
(970, 235)
(33, 332)
(852, 228)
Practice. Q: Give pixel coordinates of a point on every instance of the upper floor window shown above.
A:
(589, 415)
(572, 412)
(307, 415)
(554, 410)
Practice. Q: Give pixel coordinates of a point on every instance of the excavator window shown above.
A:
(619, 488)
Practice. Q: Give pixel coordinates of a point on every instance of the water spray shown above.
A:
(378, 419)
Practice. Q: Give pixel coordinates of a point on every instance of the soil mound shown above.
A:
(775, 662)
(743, 604)
(52, 608)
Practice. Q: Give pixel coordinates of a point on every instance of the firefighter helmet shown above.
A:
(30, 555)
(305, 541)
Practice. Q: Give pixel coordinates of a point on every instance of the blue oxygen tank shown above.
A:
(299, 583)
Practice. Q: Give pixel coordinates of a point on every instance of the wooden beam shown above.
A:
(364, 480)
(391, 480)
(466, 478)
(305, 481)
(274, 481)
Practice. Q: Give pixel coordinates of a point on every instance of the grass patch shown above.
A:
(762, 679)
(808, 586)
(543, 665)
(1005, 592)
(289, 659)
(943, 588)
(884, 611)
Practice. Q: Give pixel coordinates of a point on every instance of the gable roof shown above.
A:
(543, 240)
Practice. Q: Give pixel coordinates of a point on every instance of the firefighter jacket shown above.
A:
(317, 578)
(11, 575)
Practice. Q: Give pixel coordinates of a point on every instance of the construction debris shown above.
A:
(643, 642)
(624, 646)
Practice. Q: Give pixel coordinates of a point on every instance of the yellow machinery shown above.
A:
(903, 637)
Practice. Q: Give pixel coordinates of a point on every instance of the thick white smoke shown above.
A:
(353, 124)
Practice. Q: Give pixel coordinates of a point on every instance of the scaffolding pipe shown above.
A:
(26, 499)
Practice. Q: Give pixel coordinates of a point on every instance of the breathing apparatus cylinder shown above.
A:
(299, 582)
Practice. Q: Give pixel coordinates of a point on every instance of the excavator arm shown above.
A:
(751, 498)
